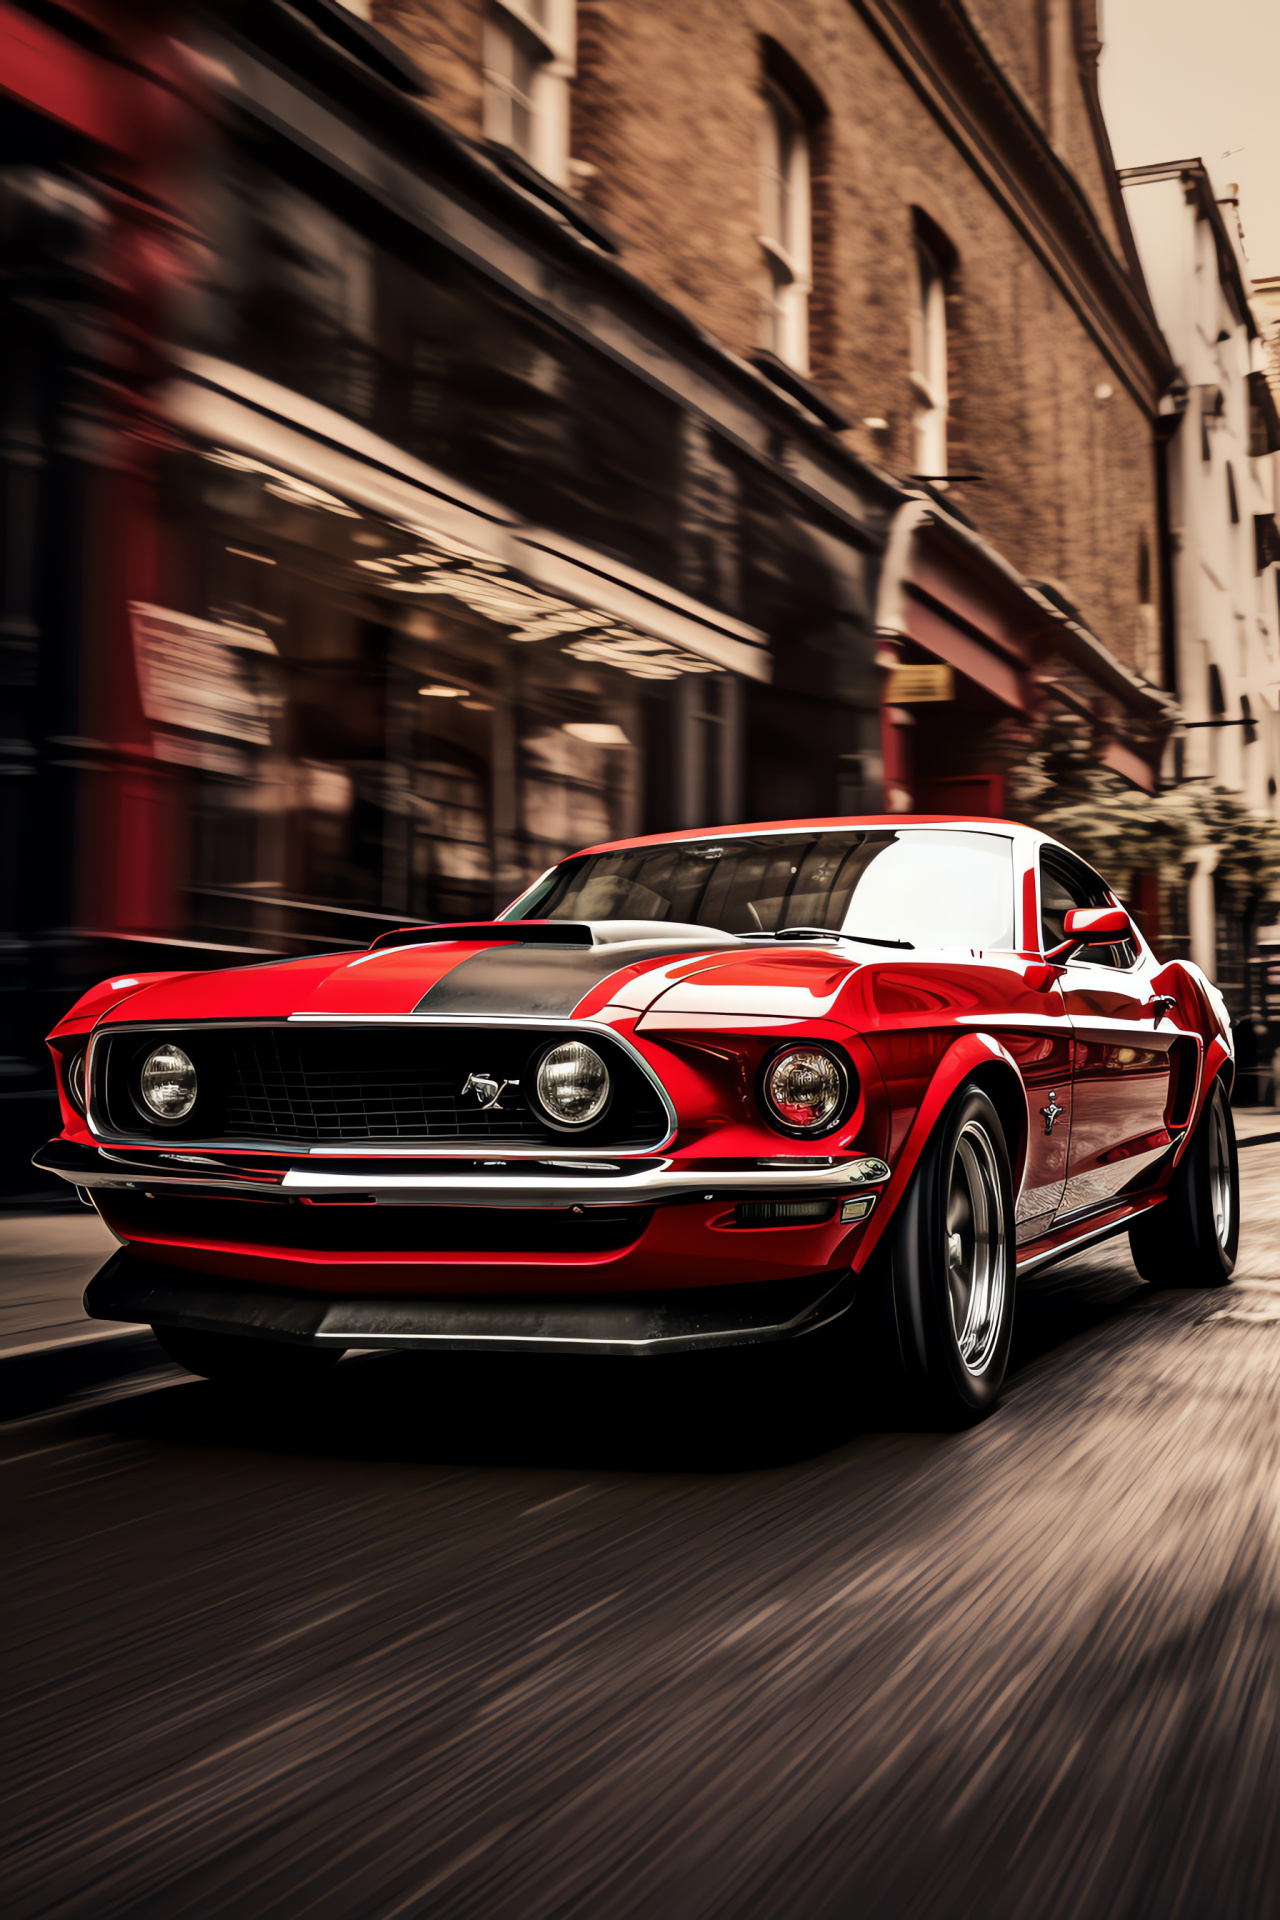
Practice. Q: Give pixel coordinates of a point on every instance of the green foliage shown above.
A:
(1248, 869)
(1059, 787)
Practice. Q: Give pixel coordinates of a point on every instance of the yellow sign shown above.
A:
(908, 686)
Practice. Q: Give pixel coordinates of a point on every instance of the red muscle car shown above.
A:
(688, 1091)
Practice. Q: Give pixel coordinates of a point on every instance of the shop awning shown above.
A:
(944, 590)
(256, 424)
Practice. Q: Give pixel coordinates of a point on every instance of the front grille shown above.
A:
(326, 1087)
(284, 1087)
(292, 1224)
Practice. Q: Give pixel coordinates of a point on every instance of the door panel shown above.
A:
(1120, 1081)
(1120, 1057)
(1044, 1059)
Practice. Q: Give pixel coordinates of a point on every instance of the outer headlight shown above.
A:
(805, 1090)
(168, 1083)
(572, 1085)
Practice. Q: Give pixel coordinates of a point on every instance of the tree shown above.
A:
(1060, 787)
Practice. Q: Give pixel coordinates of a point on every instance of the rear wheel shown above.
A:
(258, 1366)
(1192, 1238)
(951, 1266)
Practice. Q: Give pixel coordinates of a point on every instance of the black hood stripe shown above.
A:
(543, 981)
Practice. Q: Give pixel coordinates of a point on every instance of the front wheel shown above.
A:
(951, 1266)
(246, 1365)
(1191, 1239)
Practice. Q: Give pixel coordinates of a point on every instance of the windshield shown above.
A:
(920, 886)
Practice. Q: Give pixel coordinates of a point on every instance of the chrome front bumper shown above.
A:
(454, 1182)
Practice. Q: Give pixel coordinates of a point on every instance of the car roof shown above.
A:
(746, 829)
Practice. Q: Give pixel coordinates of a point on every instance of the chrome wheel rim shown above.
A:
(1220, 1173)
(977, 1267)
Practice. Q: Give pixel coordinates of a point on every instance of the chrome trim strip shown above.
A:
(1089, 1025)
(1079, 1025)
(1080, 1240)
(1033, 1022)
(645, 1187)
(476, 1150)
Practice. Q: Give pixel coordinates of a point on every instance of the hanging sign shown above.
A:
(910, 686)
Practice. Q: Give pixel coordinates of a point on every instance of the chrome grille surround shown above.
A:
(277, 1090)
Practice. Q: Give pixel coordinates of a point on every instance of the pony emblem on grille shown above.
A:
(487, 1090)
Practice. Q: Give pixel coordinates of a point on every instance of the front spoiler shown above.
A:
(456, 1182)
(684, 1321)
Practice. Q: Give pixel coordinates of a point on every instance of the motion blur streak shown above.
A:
(482, 1639)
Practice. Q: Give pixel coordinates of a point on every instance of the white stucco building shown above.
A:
(1220, 473)
(1222, 583)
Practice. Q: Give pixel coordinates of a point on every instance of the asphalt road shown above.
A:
(504, 1638)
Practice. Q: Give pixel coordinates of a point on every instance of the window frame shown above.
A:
(930, 352)
(1048, 855)
(786, 160)
(545, 33)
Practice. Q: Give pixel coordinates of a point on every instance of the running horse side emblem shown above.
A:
(1053, 1112)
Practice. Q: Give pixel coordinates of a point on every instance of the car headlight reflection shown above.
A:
(572, 1085)
(804, 1090)
(168, 1083)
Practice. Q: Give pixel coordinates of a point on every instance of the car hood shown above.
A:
(509, 980)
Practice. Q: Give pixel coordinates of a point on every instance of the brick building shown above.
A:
(914, 208)
(435, 437)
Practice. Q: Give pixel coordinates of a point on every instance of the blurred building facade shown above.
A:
(1220, 460)
(439, 436)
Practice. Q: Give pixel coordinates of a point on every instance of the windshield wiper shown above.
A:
(831, 933)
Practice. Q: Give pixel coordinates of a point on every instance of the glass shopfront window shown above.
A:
(374, 723)
(420, 730)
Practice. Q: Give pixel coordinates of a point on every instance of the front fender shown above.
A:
(971, 1054)
(94, 1004)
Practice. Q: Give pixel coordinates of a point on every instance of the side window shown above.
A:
(1066, 883)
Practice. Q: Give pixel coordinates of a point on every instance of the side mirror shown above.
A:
(1092, 927)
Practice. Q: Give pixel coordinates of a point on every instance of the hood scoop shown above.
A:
(474, 933)
(558, 933)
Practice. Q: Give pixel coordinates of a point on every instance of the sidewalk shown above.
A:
(46, 1261)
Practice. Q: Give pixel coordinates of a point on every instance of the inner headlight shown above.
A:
(804, 1090)
(573, 1085)
(168, 1084)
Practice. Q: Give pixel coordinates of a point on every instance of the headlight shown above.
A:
(75, 1082)
(573, 1085)
(168, 1084)
(804, 1090)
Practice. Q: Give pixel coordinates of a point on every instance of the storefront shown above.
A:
(387, 540)
(975, 656)
(378, 695)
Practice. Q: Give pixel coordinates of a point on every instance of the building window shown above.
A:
(528, 64)
(1233, 503)
(929, 358)
(785, 227)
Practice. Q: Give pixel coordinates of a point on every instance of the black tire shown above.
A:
(246, 1365)
(951, 1267)
(1192, 1239)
